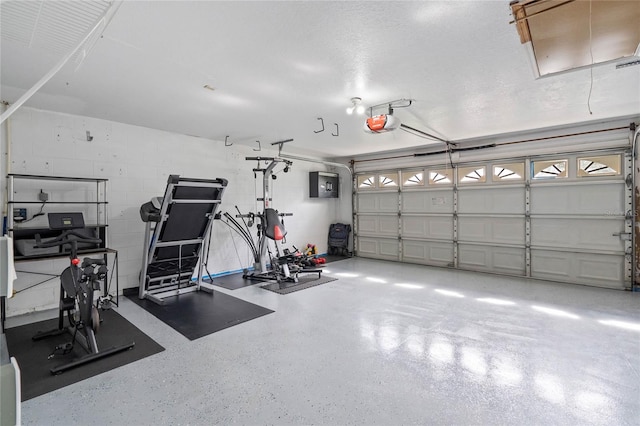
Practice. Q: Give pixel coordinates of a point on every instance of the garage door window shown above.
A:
(413, 178)
(606, 165)
(508, 172)
(388, 180)
(472, 174)
(549, 169)
(440, 177)
(366, 181)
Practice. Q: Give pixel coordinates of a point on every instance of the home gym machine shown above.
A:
(284, 266)
(176, 247)
(77, 285)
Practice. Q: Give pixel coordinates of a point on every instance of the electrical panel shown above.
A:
(323, 185)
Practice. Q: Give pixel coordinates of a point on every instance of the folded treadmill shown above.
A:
(177, 230)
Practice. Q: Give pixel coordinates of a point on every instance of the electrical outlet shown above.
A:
(43, 196)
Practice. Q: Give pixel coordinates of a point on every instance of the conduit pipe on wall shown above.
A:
(311, 160)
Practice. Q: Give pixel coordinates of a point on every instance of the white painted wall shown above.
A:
(137, 161)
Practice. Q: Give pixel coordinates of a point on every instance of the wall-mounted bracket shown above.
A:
(226, 141)
(321, 122)
(259, 146)
(280, 143)
(337, 133)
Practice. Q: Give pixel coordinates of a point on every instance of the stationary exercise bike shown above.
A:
(77, 285)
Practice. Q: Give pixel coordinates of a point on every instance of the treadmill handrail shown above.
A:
(193, 201)
(207, 182)
(162, 243)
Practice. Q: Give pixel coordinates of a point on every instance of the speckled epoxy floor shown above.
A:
(385, 344)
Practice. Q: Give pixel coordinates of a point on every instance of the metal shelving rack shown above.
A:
(100, 199)
(100, 202)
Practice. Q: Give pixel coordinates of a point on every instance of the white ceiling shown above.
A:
(279, 66)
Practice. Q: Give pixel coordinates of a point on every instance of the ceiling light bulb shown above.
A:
(356, 106)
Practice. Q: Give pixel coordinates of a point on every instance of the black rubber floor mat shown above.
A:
(199, 314)
(232, 282)
(34, 365)
(303, 283)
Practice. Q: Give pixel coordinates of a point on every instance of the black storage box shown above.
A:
(323, 185)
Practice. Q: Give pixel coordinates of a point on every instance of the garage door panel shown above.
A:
(389, 248)
(584, 268)
(378, 248)
(501, 200)
(388, 225)
(577, 233)
(427, 202)
(509, 260)
(600, 267)
(504, 230)
(433, 227)
(367, 224)
(428, 252)
(492, 259)
(599, 199)
(560, 228)
(374, 202)
(367, 203)
(473, 256)
(378, 225)
(367, 247)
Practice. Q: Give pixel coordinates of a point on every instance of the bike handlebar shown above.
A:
(87, 261)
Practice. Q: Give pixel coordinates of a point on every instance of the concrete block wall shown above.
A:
(137, 162)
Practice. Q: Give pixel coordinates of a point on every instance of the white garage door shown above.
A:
(565, 218)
